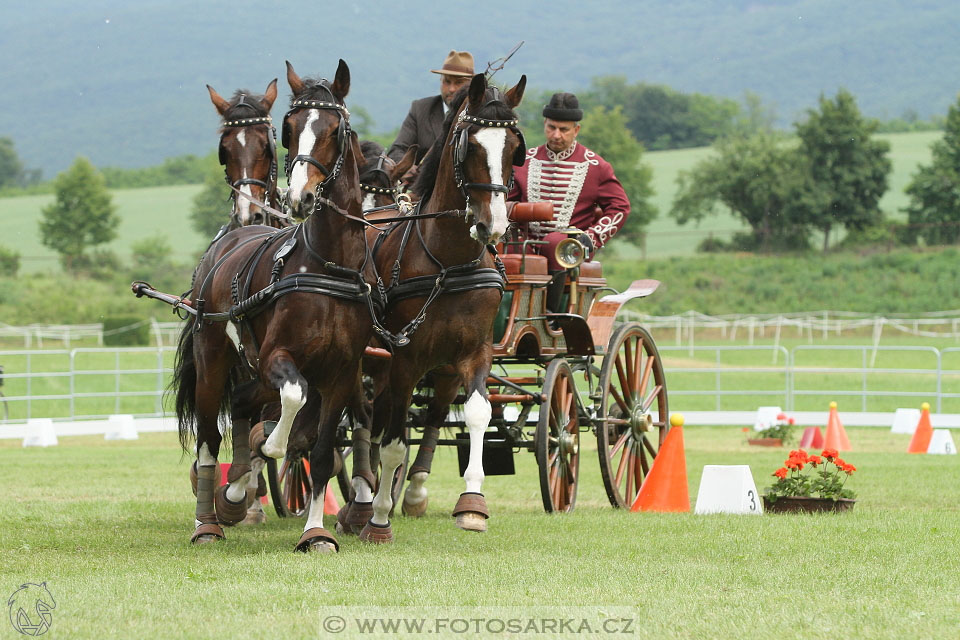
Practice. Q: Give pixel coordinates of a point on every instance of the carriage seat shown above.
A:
(527, 264)
(591, 270)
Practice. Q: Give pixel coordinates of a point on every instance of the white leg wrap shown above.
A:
(391, 456)
(204, 457)
(416, 492)
(256, 466)
(292, 399)
(476, 414)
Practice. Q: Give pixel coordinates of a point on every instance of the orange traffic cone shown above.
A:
(921, 437)
(812, 438)
(330, 506)
(836, 437)
(665, 488)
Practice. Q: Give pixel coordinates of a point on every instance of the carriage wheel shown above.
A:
(557, 439)
(633, 407)
(292, 488)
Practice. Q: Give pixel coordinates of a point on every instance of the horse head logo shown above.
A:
(30, 607)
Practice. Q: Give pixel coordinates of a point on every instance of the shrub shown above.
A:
(125, 331)
(9, 262)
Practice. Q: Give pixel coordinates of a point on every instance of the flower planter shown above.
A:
(801, 504)
(765, 442)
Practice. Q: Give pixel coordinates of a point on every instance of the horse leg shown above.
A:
(392, 454)
(323, 467)
(282, 374)
(245, 469)
(415, 497)
(471, 509)
(207, 527)
(356, 513)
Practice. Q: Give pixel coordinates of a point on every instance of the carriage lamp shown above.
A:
(570, 252)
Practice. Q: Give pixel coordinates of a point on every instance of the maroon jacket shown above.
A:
(576, 181)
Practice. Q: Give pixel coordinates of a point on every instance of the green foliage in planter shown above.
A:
(125, 331)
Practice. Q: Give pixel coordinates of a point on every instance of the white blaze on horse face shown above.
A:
(493, 140)
(391, 456)
(476, 415)
(233, 334)
(243, 204)
(305, 143)
(367, 202)
(292, 399)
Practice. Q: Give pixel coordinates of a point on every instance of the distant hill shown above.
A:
(124, 83)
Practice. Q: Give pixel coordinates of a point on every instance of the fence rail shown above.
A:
(93, 383)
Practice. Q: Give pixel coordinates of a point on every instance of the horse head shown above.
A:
(316, 133)
(380, 175)
(248, 149)
(484, 145)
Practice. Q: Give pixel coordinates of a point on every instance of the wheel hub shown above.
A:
(569, 443)
(640, 421)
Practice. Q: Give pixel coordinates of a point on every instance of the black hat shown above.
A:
(563, 106)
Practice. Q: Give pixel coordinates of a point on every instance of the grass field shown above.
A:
(106, 526)
(165, 210)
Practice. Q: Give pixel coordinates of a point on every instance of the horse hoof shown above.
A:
(359, 515)
(469, 521)
(254, 517)
(229, 513)
(343, 523)
(317, 540)
(377, 534)
(471, 512)
(207, 533)
(417, 510)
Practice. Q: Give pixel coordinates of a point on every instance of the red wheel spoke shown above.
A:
(637, 359)
(648, 401)
(649, 447)
(627, 492)
(620, 442)
(620, 401)
(624, 380)
(639, 470)
(624, 457)
(628, 363)
(646, 374)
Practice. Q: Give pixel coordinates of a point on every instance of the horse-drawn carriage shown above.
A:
(288, 315)
(557, 375)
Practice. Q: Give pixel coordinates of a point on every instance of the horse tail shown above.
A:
(184, 384)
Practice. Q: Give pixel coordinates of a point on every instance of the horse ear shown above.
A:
(341, 81)
(296, 84)
(269, 96)
(218, 102)
(405, 163)
(478, 86)
(515, 95)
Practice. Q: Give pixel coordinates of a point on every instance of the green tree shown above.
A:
(81, 216)
(934, 209)
(605, 131)
(11, 169)
(755, 178)
(211, 206)
(844, 170)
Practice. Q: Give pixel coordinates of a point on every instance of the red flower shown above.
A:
(849, 469)
(745, 429)
(840, 462)
(815, 460)
(794, 463)
(829, 454)
(791, 421)
(780, 473)
(781, 416)
(799, 455)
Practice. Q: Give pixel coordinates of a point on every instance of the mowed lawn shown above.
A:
(106, 524)
(165, 210)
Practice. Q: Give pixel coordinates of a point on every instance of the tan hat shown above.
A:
(457, 63)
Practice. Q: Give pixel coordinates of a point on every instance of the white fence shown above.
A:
(93, 383)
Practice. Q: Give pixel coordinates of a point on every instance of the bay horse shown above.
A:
(443, 291)
(380, 175)
(248, 153)
(302, 332)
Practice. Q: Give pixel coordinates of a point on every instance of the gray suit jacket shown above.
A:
(422, 126)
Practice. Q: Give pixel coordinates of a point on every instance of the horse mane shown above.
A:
(251, 106)
(497, 110)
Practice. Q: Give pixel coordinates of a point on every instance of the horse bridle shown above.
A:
(343, 134)
(460, 138)
(240, 123)
(370, 188)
